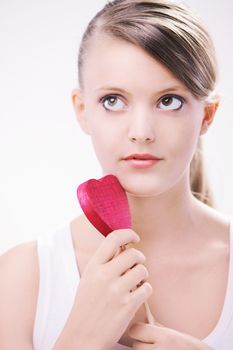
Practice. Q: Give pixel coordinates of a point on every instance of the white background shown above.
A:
(43, 153)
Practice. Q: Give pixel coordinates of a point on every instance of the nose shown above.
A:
(141, 130)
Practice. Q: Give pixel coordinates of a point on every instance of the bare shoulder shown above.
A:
(213, 221)
(19, 273)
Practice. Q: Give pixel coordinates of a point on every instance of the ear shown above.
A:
(79, 108)
(209, 114)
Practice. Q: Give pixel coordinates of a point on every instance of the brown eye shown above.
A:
(171, 103)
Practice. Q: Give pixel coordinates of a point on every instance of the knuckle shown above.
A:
(143, 270)
(132, 251)
(147, 288)
(142, 290)
(114, 238)
(137, 254)
(121, 234)
(141, 256)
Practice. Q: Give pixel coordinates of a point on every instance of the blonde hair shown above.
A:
(174, 36)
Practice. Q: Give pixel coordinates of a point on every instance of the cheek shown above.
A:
(105, 132)
(182, 141)
(105, 148)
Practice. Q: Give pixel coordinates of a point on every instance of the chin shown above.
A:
(139, 185)
(142, 194)
(141, 189)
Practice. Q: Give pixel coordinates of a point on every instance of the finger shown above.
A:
(122, 248)
(139, 295)
(137, 345)
(145, 332)
(133, 277)
(112, 244)
(126, 260)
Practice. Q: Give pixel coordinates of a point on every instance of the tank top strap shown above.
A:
(224, 326)
(59, 279)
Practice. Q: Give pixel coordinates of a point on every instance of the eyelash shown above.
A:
(106, 97)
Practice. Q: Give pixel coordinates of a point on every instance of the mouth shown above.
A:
(141, 161)
(144, 156)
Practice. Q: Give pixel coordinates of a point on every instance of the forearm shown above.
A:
(67, 341)
(77, 341)
(75, 336)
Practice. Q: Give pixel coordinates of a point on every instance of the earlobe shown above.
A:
(79, 108)
(209, 114)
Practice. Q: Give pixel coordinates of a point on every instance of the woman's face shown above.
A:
(133, 105)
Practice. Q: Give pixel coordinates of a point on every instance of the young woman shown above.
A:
(147, 74)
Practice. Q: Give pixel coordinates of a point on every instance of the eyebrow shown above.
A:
(169, 89)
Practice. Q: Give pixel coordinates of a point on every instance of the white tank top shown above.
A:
(59, 279)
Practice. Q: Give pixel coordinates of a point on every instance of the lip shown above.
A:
(141, 161)
(144, 156)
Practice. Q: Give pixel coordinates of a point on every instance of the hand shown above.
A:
(107, 297)
(151, 337)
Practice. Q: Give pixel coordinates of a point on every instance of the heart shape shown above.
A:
(105, 204)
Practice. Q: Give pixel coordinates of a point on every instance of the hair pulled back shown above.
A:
(172, 35)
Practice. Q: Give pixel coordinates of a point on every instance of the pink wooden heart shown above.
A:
(105, 204)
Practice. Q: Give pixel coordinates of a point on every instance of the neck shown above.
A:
(165, 218)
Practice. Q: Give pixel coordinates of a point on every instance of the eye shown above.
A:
(112, 103)
(171, 102)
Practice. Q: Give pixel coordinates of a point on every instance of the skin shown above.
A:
(138, 121)
(172, 135)
(181, 238)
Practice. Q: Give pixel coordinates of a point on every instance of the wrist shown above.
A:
(79, 342)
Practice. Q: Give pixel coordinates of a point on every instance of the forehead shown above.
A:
(111, 61)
